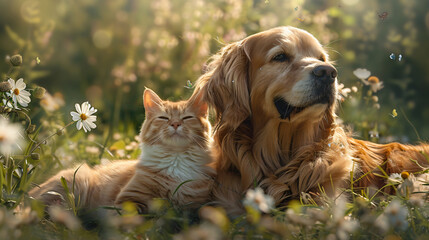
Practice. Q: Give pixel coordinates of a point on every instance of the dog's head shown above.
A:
(281, 73)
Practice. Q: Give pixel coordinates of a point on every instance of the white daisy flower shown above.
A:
(7, 104)
(83, 116)
(406, 188)
(362, 73)
(10, 136)
(19, 95)
(344, 92)
(343, 224)
(397, 215)
(374, 83)
(258, 200)
(395, 179)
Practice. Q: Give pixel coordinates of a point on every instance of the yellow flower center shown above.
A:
(405, 174)
(373, 80)
(16, 91)
(83, 116)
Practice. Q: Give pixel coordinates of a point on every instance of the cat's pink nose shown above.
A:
(175, 125)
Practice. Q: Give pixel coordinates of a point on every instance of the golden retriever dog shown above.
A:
(274, 94)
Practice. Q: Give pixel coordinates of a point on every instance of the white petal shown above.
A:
(85, 107)
(75, 116)
(92, 111)
(91, 119)
(85, 126)
(78, 108)
(14, 100)
(11, 82)
(362, 73)
(91, 124)
(79, 125)
(22, 102)
(20, 84)
(24, 93)
(23, 99)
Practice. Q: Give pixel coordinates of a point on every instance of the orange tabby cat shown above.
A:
(93, 187)
(175, 141)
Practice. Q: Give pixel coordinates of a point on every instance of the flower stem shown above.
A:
(53, 134)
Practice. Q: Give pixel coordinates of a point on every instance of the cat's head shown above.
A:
(175, 124)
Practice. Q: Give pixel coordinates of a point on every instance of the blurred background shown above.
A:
(107, 51)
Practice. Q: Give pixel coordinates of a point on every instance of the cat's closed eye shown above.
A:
(163, 118)
(187, 117)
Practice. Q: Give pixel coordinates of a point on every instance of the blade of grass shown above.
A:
(190, 180)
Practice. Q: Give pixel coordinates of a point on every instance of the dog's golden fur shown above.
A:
(304, 152)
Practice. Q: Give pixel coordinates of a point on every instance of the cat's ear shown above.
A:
(198, 105)
(151, 101)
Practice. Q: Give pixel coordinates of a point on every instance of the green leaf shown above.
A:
(2, 180)
(65, 186)
(15, 37)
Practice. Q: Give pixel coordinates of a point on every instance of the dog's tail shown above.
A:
(378, 160)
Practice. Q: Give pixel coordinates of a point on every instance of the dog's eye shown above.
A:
(282, 57)
(163, 118)
(187, 117)
(322, 58)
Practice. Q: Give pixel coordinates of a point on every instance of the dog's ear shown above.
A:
(225, 85)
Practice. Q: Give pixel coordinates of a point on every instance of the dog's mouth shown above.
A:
(286, 109)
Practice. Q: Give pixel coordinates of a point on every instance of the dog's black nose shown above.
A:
(325, 73)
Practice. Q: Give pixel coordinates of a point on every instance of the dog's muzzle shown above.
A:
(285, 109)
(323, 91)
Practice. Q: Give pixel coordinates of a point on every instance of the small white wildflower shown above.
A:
(10, 135)
(8, 104)
(374, 134)
(83, 116)
(258, 200)
(52, 103)
(395, 179)
(92, 150)
(344, 92)
(377, 106)
(407, 186)
(396, 215)
(19, 95)
(344, 225)
(382, 223)
(362, 73)
(375, 83)
(120, 153)
(117, 136)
